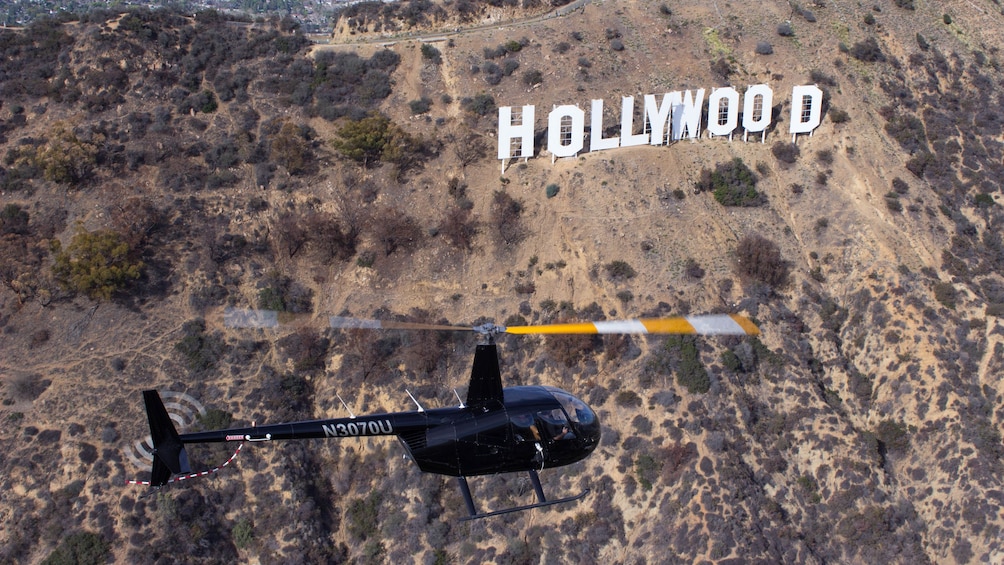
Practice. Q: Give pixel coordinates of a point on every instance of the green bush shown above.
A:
(361, 516)
(893, 435)
(66, 159)
(243, 533)
(96, 263)
(733, 184)
(202, 351)
(80, 548)
(690, 373)
(481, 104)
(431, 54)
(945, 293)
(533, 77)
(552, 190)
(420, 106)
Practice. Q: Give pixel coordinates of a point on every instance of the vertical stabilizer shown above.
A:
(486, 380)
(169, 456)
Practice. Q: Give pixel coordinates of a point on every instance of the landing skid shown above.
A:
(542, 501)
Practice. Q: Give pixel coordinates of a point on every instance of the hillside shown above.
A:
(158, 167)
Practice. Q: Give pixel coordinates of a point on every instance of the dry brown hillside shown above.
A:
(193, 163)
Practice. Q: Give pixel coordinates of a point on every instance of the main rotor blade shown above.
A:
(712, 324)
(347, 323)
(253, 318)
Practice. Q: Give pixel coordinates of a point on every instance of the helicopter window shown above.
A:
(577, 410)
(555, 424)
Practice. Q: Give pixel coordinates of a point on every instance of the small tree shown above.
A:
(396, 230)
(66, 159)
(733, 184)
(365, 140)
(431, 54)
(291, 149)
(506, 212)
(96, 263)
(758, 259)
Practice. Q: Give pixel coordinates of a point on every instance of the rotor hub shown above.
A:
(489, 329)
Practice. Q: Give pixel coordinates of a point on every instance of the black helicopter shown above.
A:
(496, 430)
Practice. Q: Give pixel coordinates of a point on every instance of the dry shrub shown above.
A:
(758, 259)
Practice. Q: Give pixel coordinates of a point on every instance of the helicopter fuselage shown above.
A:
(534, 427)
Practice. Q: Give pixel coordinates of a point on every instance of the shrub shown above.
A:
(507, 212)
(785, 30)
(892, 202)
(869, 19)
(945, 293)
(291, 149)
(785, 152)
(509, 66)
(431, 54)
(243, 533)
(690, 373)
(625, 296)
(947, 19)
(628, 399)
(79, 548)
(65, 158)
(533, 77)
(362, 518)
(420, 106)
(280, 292)
(893, 435)
(96, 263)
(759, 259)
(396, 230)
(733, 184)
(867, 50)
(552, 190)
(481, 104)
(693, 269)
(201, 350)
(620, 270)
(617, 45)
(722, 67)
(838, 116)
(562, 47)
(306, 348)
(764, 48)
(365, 140)
(459, 228)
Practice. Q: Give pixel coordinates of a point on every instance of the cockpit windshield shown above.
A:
(576, 409)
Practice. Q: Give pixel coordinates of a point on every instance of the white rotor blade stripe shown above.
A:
(248, 318)
(342, 322)
(621, 327)
(716, 324)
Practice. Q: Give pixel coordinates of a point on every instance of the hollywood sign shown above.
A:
(677, 116)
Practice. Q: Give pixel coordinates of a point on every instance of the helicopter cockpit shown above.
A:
(581, 421)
